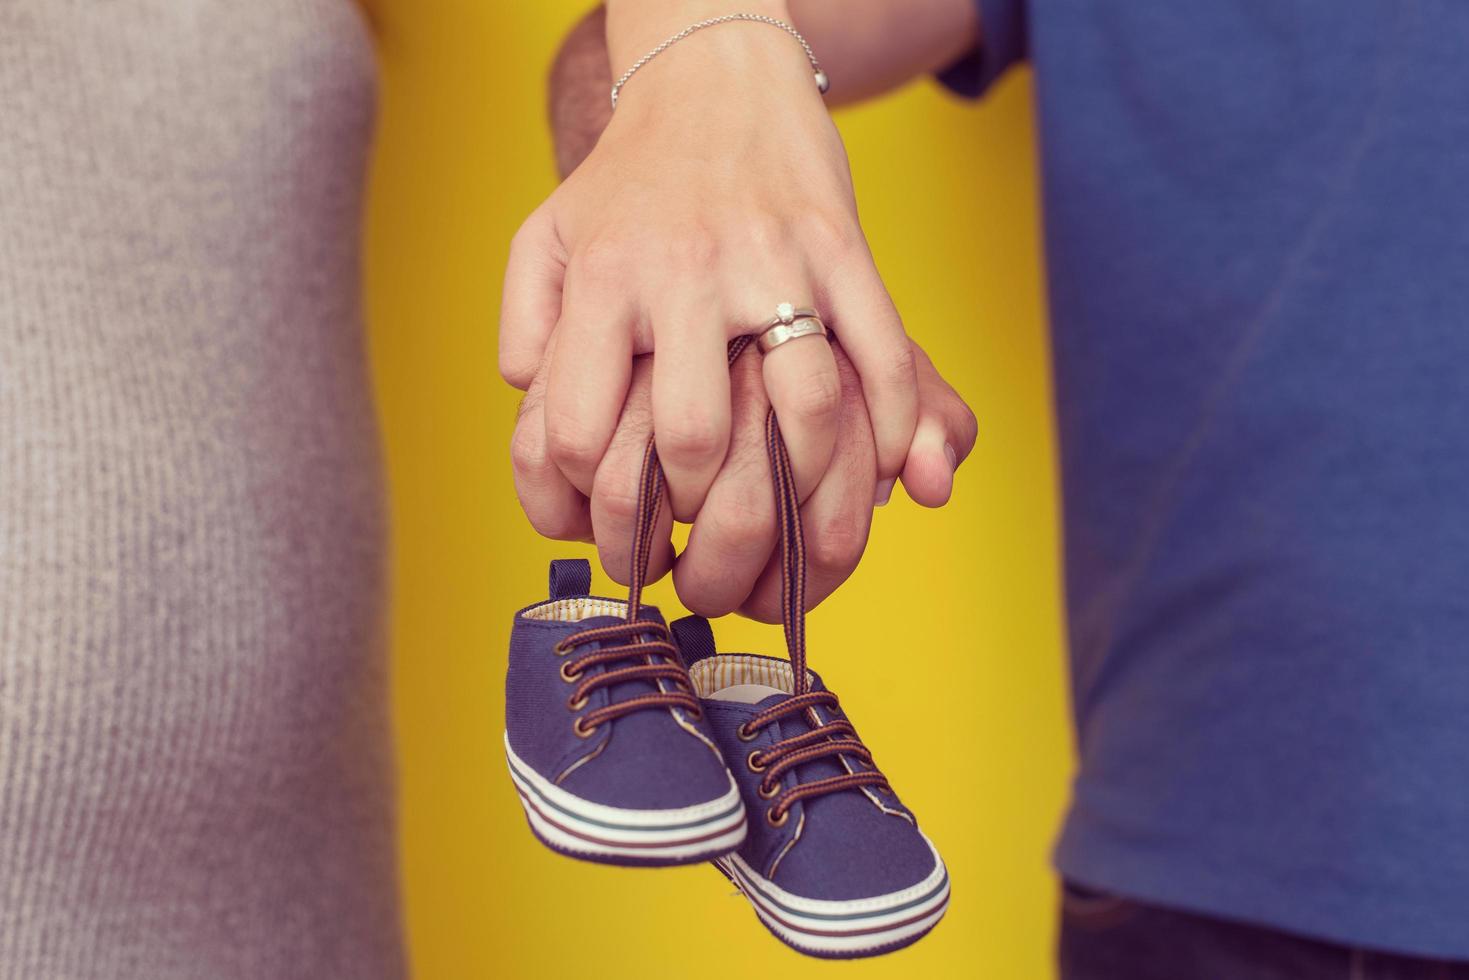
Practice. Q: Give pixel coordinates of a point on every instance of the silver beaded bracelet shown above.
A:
(822, 82)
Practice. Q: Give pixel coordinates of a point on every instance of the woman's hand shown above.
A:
(719, 189)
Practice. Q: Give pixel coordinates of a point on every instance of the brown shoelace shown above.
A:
(825, 739)
(636, 647)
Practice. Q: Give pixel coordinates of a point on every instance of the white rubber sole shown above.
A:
(579, 828)
(844, 929)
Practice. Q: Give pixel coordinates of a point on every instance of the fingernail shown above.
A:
(884, 491)
(952, 456)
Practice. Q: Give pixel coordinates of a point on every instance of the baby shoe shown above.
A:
(606, 743)
(834, 864)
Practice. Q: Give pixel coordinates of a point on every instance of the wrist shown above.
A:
(737, 64)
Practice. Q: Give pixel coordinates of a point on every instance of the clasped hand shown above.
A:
(682, 229)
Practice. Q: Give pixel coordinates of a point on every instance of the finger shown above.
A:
(587, 373)
(944, 437)
(806, 392)
(866, 323)
(690, 402)
(837, 518)
(615, 492)
(531, 301)
(733, 536)
(553, 506)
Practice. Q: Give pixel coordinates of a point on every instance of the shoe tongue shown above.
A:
(648, 613)
(803, 719)
(769, 702)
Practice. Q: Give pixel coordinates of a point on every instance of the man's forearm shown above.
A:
(578, 103)
(867, 47)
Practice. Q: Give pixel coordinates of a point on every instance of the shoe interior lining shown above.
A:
(718, 674)
(576, 609)
(744, 693)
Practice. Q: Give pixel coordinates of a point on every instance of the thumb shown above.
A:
(531, 301)
(943, 438)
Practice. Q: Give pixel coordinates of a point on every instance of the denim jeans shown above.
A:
(1107, 937)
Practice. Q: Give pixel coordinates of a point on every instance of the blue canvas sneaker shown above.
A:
(834, 864)
(606, 743)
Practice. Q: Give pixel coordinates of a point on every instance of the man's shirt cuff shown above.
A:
(1002, 42)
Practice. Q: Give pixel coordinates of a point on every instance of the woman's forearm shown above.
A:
(634, 27)
(867, 47)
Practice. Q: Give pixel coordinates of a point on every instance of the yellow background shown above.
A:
(946, 644)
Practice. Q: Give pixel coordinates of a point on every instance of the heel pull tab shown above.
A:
(570, 578)
(695, 639)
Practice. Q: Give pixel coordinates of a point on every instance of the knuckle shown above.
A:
(556, 525)
(762, 608)
(528, 450)
(741, 525)
(568, 443)
(835, 545)
(968, 424)
(693, 436)
(525, 235)
(705, 599)
(830, 232)
(819, 396)
(766, 233)
(707, 589)
(617, 564)
(516, 367)
(616, 495)
(900, 367)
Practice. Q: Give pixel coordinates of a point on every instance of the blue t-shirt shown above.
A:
(1257, 233)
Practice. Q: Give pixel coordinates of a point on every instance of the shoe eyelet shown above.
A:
(576, 704)
(583, 731)
(775, 821)
(569, 676)
(767, 794)
(560, 650)
(750, 761)
(745, 736)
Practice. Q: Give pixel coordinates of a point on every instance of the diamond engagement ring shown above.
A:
(790, 322)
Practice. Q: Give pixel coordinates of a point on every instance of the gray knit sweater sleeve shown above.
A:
(195, 771)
